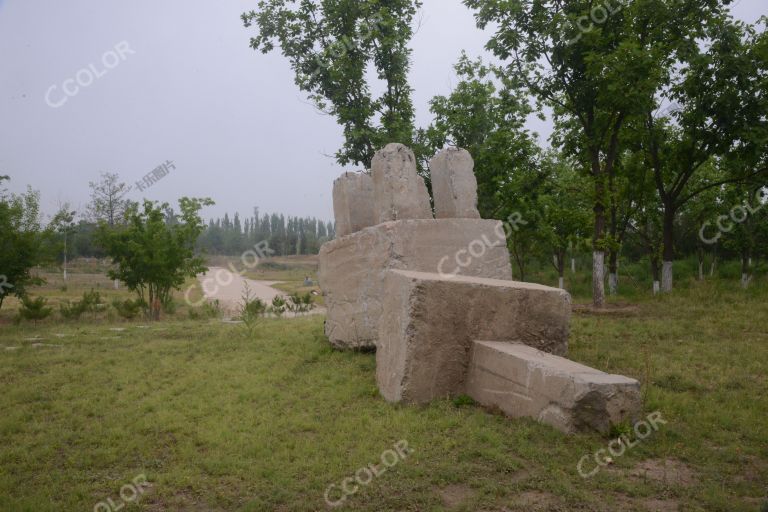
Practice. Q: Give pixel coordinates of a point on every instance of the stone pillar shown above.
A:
(353, 203)
(399, 192)
(454, 185)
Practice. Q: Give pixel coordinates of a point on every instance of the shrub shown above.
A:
(212, 309)
(169, 306)
(298, 303)
(72, 311)
(278, 306)
(254, 308)
(128, 309)
(34, 309)
(91, 302)
(251, 311)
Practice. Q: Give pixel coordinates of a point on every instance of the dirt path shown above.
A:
(229, 288)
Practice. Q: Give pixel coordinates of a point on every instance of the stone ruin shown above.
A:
(434, 296)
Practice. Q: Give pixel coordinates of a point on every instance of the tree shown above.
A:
(721, 112)
(63, 222)
(564, 211)
(594, 81)
(331, 46)
(745, 223)
(152, 256)
(486, 114)
(108, 203)
(20, 241)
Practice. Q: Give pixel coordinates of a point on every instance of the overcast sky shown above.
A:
(181, 84)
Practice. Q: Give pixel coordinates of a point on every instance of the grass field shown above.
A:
(216, 419)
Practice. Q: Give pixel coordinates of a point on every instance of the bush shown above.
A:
(254, 308)
(34, 309)
(128, 309)
(91, 302)
(212, 309)
(169, 306)
(278, 306)
(71, 311)
(251, 311)
(298, 303)
(209, 309)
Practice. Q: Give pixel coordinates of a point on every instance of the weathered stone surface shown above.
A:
(429, 323)
(353, 203)
(352, 269)
(454, 185)
(399, 192)
(525, 382)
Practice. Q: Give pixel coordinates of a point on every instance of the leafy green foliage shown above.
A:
(20, 241)
(154, 256)
(300, 303)
(252, 310)
(71, 310)
(34, 309)
(128, 309)
(278, 306)
(331, 45)
(91, 302)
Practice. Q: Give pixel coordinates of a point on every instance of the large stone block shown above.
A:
(399, 192)
(454, 185)
(429, 323)
(352, 268)
(525, 382)
(353, 203)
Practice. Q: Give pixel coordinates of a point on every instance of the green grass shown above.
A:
(220, 421)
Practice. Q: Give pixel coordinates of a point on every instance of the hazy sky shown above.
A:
(177, 81)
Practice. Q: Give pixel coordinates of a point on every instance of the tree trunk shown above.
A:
(598, 254)
(655, 271)
(746, 262)
(560, 262)
(598, 279)
(573, 265)
(613, 272)
(519, 262)
(669, 249)
(700, 254)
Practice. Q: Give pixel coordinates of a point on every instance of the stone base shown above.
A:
(429, 324)
(352, 268)
(525, 382)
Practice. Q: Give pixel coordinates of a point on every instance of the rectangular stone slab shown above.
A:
(352, 268)
(430, 322)
(525, 382)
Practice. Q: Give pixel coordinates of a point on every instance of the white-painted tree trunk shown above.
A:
(656, 287)
(598, 278)
(117, 284)
(573, 265)
(701, 271)
(561, 283)
(613, 283)
(745, 280)
(667, 276)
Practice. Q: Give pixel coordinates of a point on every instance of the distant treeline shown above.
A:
(285, 235)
